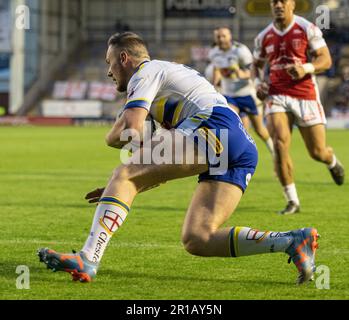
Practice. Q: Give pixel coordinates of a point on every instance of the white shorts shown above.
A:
(307, 113)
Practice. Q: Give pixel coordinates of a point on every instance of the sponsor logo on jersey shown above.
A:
(296, 44)
(269, 49)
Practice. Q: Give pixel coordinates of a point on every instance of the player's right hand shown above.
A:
(94, 195)
(262, 91)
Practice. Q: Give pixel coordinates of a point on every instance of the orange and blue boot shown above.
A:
(302, 253)
(74, 263)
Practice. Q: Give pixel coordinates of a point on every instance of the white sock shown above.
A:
(245, 241)
(110, 214)
(290, 193)
(270, 145)
(334, 162)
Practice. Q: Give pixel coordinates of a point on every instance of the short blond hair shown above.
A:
(131, 42)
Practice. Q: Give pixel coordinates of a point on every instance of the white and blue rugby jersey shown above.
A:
(171, 92)
(238, 56)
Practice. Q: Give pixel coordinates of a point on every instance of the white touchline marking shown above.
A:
(48, 177)
(78, 243)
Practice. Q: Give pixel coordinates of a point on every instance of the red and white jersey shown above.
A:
(291, 46)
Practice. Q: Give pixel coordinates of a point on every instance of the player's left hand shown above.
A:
(296, 71)
(94, 195)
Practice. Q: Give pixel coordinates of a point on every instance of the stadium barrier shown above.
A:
(332, 123)
(55, 121)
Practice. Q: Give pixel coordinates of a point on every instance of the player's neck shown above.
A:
(227, 48)
(283, 24)
(137, 65)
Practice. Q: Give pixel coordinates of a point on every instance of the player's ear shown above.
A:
(123, 57)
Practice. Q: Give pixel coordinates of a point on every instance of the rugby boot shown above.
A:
(337, 173)
(302, 252)
(291, 208)
(74, 263)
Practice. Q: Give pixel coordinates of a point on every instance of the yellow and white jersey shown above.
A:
(227, 62)
(171, 92)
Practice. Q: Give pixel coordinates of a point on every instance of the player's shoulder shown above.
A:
(302, 22)
(240, 46)
(213, 52)
(151, 66)
(262, 34)
(308, 27)
(148, 69)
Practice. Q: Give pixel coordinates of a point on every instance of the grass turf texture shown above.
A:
(45, 173)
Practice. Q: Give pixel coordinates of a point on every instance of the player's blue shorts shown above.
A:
(231, 152)
(245, 104)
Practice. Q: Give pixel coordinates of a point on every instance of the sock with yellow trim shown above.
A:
(245, 241)
(110, 214)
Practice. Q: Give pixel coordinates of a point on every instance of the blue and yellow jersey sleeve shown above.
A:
(138, 103)
(143, 88)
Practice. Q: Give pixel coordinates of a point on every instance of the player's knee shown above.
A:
(194, 243)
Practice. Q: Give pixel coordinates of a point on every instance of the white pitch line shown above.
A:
(50, 177)
(78, 243)
(121, 244)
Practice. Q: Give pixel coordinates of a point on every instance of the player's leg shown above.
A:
(281, 129)
(249, 105)
(129, 179)
(315, 141)
(262, 131)
(245, 120)
(212, 204)
(113, 207)
(243, 116)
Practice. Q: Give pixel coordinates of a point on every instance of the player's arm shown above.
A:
(321, 59)
(258, 66)
(95, 195)
(141, 91)
(257, 74)
(258, 69)
(320, 62)
(217, 77)
(320, 56)
(244, 74)
(132, 119)
(243, 71)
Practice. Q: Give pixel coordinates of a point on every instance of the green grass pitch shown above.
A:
(45, 173)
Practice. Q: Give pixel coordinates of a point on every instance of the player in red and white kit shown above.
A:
(295, 51)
